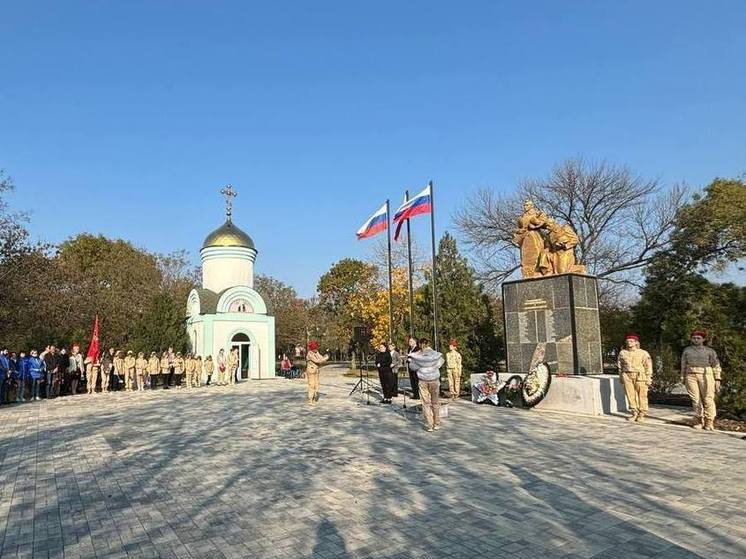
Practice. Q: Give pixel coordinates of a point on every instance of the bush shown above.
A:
(666, 375)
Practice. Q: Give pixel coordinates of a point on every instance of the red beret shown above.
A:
(700, 333)
(632, 336)
(313, 346)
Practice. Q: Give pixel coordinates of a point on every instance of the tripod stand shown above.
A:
(362, 385)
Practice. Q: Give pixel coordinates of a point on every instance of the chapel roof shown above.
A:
(228, 235)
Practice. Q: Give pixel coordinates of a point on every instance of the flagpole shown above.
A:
(409, 272)
(435, 290)
(391, 303)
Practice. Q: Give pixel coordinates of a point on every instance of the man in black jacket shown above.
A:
(414, 380)
(51, 363)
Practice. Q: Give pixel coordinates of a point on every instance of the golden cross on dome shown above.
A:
(229, 194)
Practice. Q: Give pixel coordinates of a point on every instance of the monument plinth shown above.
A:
(556, 315)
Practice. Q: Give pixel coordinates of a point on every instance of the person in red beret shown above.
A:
(314, 361)
(700, 373)
(636, 372)
(454, 368)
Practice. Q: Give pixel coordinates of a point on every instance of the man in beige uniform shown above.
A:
(636, 373)
(119, 368)
(129, 370)
(141, 368)
(453, 366)
(154, 367)
(189, 369)
(91, 371)
(700, 371)
(314, 360)
(232, 365)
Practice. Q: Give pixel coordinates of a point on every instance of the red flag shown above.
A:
(93, 348)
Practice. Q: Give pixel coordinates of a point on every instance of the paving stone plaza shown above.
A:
(252, 471)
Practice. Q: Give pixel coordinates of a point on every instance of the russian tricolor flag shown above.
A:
(420, 204)
(376, 223)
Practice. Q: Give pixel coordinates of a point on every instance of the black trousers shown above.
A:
(167, 379)
(414, 381)
(388, 382)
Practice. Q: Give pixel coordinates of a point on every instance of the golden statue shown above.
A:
(528, 237)
(547, 247)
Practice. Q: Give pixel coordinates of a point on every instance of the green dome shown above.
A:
(228, 235)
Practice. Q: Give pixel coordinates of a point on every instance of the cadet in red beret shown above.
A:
(314, 360)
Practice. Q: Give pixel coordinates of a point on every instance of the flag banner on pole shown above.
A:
(418, 205)
(93, 348)
(375, 224)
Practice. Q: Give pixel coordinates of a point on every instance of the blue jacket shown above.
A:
(35, 367)
(4, 367)
(20, 370)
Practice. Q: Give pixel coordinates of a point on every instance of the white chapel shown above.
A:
(226, 311)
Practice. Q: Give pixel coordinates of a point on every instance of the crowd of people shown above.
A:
(58, 372)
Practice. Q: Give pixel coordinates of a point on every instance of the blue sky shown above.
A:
(126, 118)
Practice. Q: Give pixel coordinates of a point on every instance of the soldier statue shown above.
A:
(547, 247)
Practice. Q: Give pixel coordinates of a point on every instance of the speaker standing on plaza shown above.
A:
(314, 360)
(385, 374)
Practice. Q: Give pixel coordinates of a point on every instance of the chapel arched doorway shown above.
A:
(242, 342)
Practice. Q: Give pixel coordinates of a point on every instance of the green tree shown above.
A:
(289, 310)
(340, 284)
(711, 231)
(465, 310)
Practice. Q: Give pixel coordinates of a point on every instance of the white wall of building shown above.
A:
(224, 267)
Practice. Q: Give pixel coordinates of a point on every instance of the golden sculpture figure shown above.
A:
(529, 239)
(547, 247)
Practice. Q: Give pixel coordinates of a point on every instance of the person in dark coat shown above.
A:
(51, 366)
(385, 374)
(63, 378)
(414, 380)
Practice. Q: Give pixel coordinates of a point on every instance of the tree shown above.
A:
(622, 219)
(343, 280)
(371, 306)
(110, 278)
(711, 231)
(290, 311)
(465, 310)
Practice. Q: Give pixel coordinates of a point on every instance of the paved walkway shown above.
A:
(252, 471)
